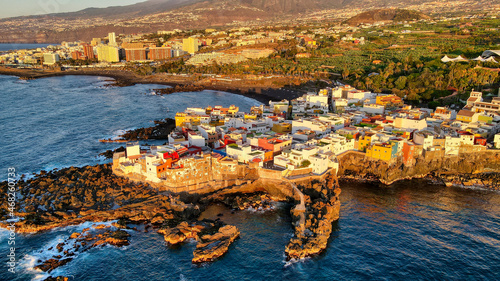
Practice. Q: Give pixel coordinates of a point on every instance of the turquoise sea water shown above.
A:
(409, 231)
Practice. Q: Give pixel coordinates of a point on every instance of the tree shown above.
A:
(305, 163)
(345, 73)
(400, 82)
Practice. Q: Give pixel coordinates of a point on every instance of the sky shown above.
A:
(14, 8)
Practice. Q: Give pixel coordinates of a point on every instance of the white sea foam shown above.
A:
(475, 187)
(29, 261)
(294, 261)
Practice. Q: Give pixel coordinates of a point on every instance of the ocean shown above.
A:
(20, 46)
(409, 231)
(57, 122)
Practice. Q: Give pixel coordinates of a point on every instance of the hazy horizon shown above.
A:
(41, 7)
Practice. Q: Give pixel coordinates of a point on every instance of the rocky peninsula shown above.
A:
(72, 196)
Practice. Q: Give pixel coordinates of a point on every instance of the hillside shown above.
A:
(373, 16)
(154, 15)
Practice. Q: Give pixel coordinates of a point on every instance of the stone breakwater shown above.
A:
(317, 206)
(314, 217)
(467, 169)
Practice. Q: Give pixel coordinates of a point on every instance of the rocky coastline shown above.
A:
(480, 169)
(260, 92)
(213, 238)
(313, 222)
(159, 131)
(77, 243)
(72, 196)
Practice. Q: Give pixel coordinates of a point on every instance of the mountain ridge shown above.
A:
(154, 15)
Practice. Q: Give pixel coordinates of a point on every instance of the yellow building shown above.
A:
(282, 128)
(182, 119)
(380, 152)
(107, 53)
(233, 110)
(250, 117)
(190, 45)
(95, 41)
(465, 116)
(364, 142)
(215, 123)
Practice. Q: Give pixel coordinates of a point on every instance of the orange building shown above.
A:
(408, 153)
(389, 99)
(77, 55)
(135, 54)
(159, 53)
(88, 51)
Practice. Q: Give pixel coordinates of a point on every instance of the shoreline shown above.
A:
(126, 78)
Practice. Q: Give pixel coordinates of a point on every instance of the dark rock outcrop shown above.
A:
(52, 264)
(72, 196)
(214, 246)
(160, 131)
(213, 238)
(98, 235)
(480, 168)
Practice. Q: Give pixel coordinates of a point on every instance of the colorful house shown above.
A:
(364, 142)
(282, 128)
(408, 153)
(382, 151)
(465, 115)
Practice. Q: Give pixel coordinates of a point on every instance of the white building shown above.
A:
(445, 113)
(336, 144)
(317, 102)
(320, 128)
(405, 123)
(245, 153)
(452, 145)
(50, 58)
(373, 108)
(133, 149)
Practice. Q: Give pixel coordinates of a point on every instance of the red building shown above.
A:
(159, 53)
(273, 144)
(135, 54)
(88, 51)
(408, 152)
(194, 150)
(480, 141)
